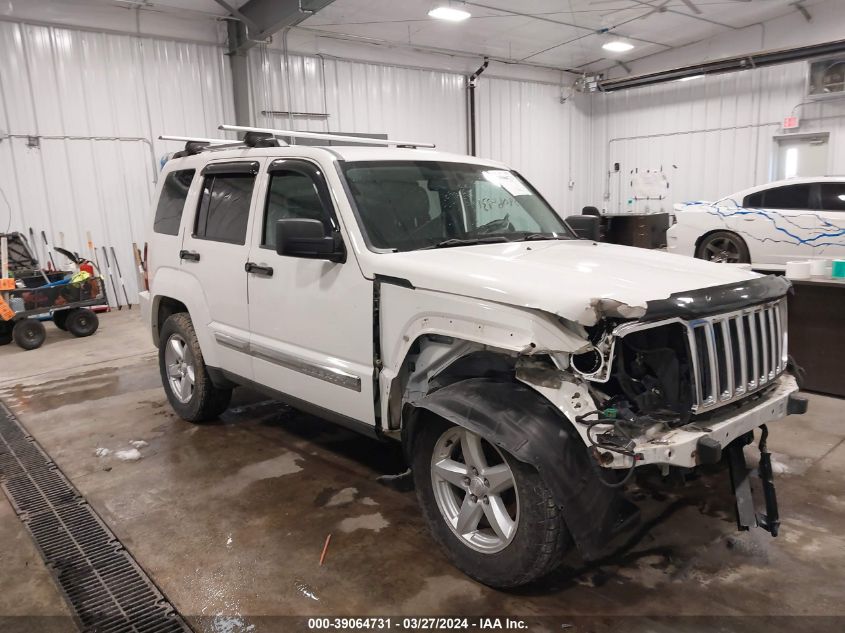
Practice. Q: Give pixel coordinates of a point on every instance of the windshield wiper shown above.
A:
(542, 236)
(456, 241)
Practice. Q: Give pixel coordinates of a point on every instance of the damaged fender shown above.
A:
(519, 420)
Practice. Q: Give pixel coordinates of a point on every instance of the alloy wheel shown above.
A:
(475, 490)
(180, 368)
(722, 250)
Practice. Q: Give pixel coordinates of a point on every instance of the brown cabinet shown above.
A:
(817, 333)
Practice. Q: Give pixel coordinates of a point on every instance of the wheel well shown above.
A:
(709, 233)
(167, 306)
(433, 361)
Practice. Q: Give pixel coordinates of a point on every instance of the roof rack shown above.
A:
(326, 136)
(196, 139)
(195, 145)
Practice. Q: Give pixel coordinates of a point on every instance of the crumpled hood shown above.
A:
(569, 278)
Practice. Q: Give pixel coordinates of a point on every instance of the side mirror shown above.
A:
(297, 237)
(585, 227)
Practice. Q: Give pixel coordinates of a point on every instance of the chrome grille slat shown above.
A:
(762, 323)
(696, 369)
(743, 355)
(727, 340)
(712, 361)
(773, 344)
(779, 339)
(721, 368)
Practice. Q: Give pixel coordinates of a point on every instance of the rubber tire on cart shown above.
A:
(723, 247)
(184, 376)
(60, 319)
(81, 322)
(539, 538)
(29, 333)
(6, 332)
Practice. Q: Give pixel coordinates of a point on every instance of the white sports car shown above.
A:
(768, 225)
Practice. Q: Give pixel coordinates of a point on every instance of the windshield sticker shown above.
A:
(507, 181)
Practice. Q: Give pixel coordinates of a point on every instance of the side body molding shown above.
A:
(522, 422)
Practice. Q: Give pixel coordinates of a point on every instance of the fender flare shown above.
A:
(522, 422)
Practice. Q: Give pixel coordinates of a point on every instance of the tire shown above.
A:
(202, 401)
(6, 332)
(29, 333)
(723, 247)
(538, 539)
(81, 322)
(60, 319)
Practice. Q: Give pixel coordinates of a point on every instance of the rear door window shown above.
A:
(788, 197)
(223, 212)
(171, 202)
(832, 196)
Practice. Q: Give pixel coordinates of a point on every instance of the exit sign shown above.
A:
(790, 122)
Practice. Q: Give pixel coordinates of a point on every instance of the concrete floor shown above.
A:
(229, 518)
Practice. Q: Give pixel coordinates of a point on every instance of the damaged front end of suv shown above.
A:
(676, 383)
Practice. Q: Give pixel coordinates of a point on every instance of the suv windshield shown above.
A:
(408, 205)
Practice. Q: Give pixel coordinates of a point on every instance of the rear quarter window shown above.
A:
(171, 202)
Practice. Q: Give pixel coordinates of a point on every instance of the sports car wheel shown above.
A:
(723, 247)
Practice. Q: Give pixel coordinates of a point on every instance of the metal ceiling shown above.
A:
(561, 34)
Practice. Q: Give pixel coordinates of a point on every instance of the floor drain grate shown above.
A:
(106, 589)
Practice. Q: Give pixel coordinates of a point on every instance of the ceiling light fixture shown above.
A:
(691, 77)
(450, 12)
(617, 46)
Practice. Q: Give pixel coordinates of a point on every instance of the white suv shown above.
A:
(438, 300)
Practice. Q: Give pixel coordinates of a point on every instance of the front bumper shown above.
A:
(681, 447)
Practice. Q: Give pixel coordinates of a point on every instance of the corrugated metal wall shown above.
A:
(95, 102)
(712, 136)
(525, 125)
(404, 103)
(522, 123)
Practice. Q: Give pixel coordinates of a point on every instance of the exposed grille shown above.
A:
(736, 353)
(105, 587)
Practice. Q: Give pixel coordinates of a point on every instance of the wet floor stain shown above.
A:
(343, 497)
(86, 386)
(375, 522)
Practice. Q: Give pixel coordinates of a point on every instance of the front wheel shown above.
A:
(723, 247)
(183, 373)
(29, 333)
(492, 514)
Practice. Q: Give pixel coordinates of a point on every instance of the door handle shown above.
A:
(191, 256)
(252, 267)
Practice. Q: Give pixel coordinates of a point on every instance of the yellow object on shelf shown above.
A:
(7, 284)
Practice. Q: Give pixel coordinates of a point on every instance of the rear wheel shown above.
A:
(492, 514)
(184, 375)
(60, 318)
(723, 247)
(29, 333)
(81, 322)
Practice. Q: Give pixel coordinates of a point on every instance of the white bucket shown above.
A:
(820, 267)
(798, 269)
